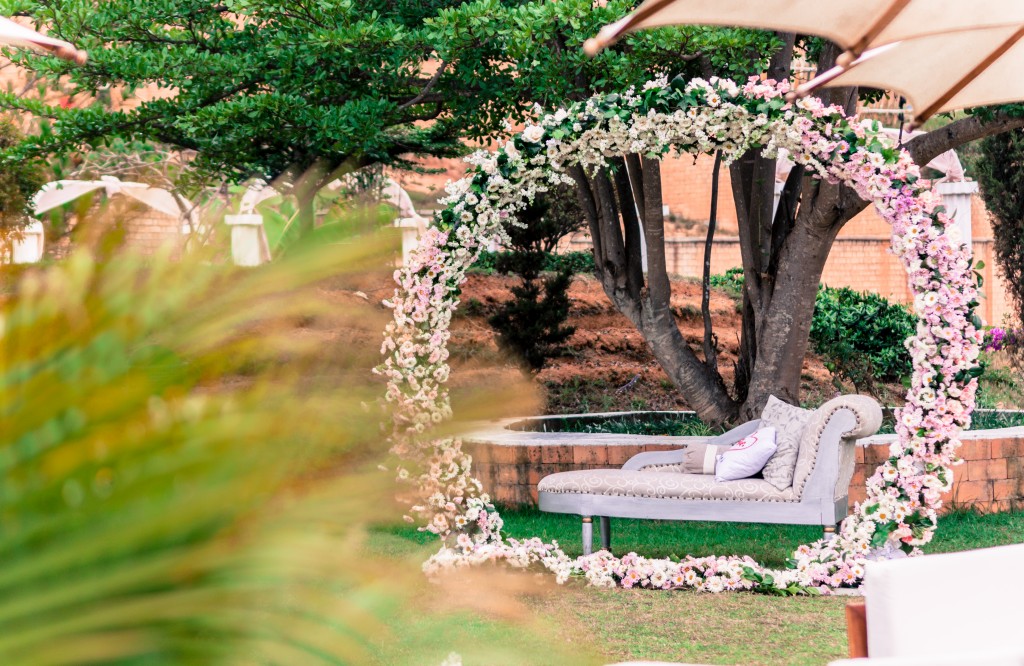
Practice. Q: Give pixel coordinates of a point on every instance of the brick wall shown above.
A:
(863, 263)
(144, 228)
(991, 478)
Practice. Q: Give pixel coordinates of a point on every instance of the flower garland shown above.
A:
(903, 495)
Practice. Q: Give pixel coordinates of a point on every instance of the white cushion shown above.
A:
(789, 422)
(941, 605)
(746, 457)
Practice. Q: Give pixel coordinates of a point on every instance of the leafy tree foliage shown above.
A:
(263, 86)
(18, 182)
(1001, 174)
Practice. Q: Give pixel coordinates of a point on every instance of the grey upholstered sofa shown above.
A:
(651, 485)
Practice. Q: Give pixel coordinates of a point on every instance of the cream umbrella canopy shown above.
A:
(855, 26)
(978, 67)
(15, 34)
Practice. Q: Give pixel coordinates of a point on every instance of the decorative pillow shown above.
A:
(789, 422)
(746, 457)
(700, 458)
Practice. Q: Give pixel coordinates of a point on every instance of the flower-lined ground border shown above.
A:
(904, 493)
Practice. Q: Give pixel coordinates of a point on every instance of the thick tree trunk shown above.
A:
(306, 216)
(785, 325)
(705, 390)
(783, 257)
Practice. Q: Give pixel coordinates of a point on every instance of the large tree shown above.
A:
(261, 88)
(783, 256)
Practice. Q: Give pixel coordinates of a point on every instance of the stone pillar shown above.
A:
(956, 197)
(29, 249)
(411, 228)
(246, 241)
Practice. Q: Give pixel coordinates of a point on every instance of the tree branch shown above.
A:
(589, 206)
(658, 285)
(611, 229)
(710, 353)
(785, 216)
(636, 182)
(926, 147)
(427, 88)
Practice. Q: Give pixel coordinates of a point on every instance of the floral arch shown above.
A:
(904, 493)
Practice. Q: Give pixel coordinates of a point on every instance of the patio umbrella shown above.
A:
(855, 26)
(15, 34)
(58, 193)
(978, 67)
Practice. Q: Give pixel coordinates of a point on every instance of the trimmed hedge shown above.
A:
(860, 336)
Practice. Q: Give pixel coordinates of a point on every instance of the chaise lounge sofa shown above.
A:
(652, 485)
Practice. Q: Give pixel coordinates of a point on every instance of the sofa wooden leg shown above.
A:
(605, 528)
(830, 532)
(588, 535)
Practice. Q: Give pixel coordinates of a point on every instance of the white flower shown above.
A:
(533, 134)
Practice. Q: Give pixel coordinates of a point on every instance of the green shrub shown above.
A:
(532, 325)
(570, 262)
(860, 336)
(732, 282)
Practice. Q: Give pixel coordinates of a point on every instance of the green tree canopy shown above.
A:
(260, 87)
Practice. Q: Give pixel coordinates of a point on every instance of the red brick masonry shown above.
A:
(510, 463)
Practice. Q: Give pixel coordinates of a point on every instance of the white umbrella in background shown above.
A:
(60, 192)
(15, 34)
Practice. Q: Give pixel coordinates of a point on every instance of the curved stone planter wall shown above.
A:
(509, 461)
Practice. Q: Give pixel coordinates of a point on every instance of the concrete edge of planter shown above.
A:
(499, 432)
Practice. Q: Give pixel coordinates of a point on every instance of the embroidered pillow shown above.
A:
(746, 457)
(700, 458)
(789, 423)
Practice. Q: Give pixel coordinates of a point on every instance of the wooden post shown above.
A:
(857, 629)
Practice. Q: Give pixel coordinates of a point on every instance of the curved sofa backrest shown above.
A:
(825, 461)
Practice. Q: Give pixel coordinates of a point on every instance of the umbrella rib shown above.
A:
(606, 37)
(966, 80)
(880, 24)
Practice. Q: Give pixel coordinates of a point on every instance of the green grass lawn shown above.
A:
(605, 626)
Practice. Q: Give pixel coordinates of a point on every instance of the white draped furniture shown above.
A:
(941, 610)
(651, 485)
